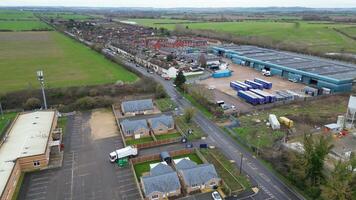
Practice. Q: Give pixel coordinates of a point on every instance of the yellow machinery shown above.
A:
(287, 122)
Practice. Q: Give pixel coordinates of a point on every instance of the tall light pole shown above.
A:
(40, 77)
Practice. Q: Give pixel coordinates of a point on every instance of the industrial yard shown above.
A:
(145, 106)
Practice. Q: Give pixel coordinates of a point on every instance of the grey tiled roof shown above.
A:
(185, 164)
(163, 119)
(133, 125)
(199, 174)
(161, 182)
(160, 169)
(137, 105)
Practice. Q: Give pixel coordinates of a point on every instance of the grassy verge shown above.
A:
(165, 104)
(184, 127)
(131, 141)
(226, 170)
(62, 123)
(168, 136)
(4, 122)
(18, 187)
(201, 108)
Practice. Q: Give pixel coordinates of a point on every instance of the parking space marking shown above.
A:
(37, 188)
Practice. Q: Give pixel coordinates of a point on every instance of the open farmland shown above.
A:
(64, 61)
(12, 20)
(23, 26)
(321, 37)
(13, 15)
(65, 15)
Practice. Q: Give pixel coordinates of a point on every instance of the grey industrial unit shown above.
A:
(318, 72)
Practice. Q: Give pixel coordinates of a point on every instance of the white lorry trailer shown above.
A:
(122, 153)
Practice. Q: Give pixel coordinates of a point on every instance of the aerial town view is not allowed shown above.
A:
(177, 100)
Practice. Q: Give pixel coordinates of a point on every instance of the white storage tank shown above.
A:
(274, 122)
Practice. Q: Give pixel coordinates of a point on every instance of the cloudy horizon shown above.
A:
(183, 3)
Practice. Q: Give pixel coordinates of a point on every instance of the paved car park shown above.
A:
(86, 172)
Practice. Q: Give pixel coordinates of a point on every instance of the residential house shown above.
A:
(135, 128)
(161, 124)
(197, 177)
(136, 107)
(161, 183)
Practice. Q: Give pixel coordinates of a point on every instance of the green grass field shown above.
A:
(65, 15)
(4, 122)
(65, 62)
(315, 36)
(16, 20)
(23, 26)
(16, 15)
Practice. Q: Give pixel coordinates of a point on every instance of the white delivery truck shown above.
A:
(122, 153)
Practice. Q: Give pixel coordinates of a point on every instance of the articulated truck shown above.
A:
(128, 151)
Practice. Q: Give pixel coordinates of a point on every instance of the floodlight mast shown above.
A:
(40, 77)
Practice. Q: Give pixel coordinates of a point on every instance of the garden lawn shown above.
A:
(138, 141)
(168, 136)
(64, 61)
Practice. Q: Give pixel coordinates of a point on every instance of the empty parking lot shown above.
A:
(86, 172)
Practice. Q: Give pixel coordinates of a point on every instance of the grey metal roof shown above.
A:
(185, 164)
(160, 169)
(161, 182)
(338, 70)
(137, 105)
(166, 120)
(133, 125)
(199, 174)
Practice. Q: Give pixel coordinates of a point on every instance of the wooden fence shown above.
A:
(153, 157)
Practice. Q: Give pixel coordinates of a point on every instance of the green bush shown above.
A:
(32, 103)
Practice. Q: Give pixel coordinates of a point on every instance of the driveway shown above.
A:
(86, 172)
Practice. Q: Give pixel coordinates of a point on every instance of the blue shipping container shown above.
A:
(222, 73)
(237, 86)
(261, 99)
(244, 84)
(266, 84)
(254, 84)
(248, 97)
(270, 98)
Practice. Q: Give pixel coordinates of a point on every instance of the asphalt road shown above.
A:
(271, 187)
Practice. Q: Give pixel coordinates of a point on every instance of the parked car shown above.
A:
(216, 195)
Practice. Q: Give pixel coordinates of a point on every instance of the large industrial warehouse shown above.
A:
(317, 72)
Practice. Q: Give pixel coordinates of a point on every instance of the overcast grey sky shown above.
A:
(183, 3)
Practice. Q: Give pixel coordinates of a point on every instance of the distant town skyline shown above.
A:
(184, 3)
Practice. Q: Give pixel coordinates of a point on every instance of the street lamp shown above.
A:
(40, 77)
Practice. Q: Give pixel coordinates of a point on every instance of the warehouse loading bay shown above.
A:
(224, 92)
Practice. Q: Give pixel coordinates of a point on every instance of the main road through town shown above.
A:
(270, 186)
